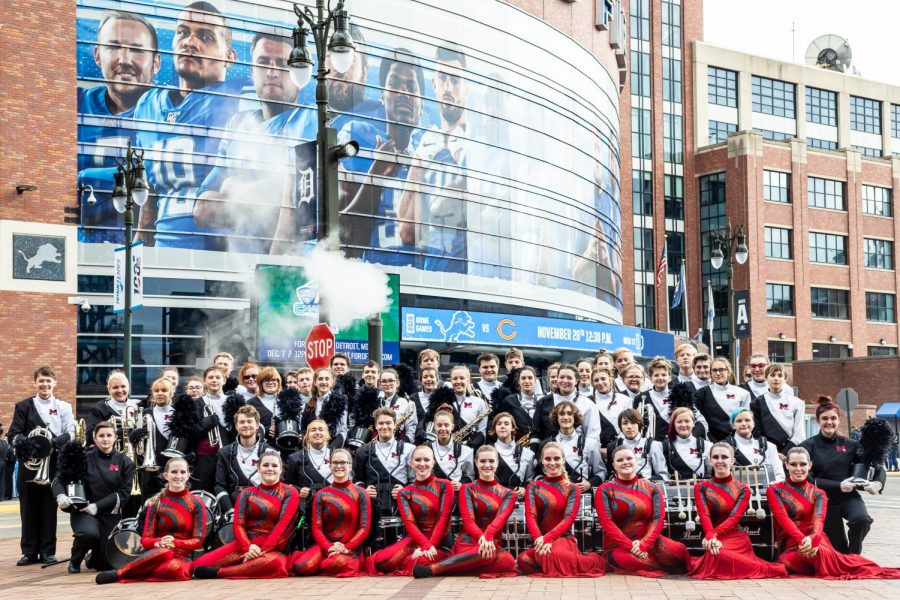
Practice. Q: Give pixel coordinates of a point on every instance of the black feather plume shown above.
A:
(442, 395)
(231, 384)
(875, 442)
(680, 395)
(333, 408)
(407, 380)
(512, 381)
(346, 384)
(233, 402)
(289, 403)
(26, 448)
(184, 417)
(366, 403)
(72, 464)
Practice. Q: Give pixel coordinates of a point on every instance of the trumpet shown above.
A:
(42, 464)
(215, 439)
(649, 416)
(524, 440)
(463, 434)
(81, 432)
(149, 462)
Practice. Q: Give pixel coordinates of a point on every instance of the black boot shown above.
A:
(421, 572)
(104, 577)
(206, 572)
(74, 567)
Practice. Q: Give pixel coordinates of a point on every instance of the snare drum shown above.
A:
(390, 531)
(224, 530)
(124, 543)
(212, 511)
(358, 436)
(585, 526)
(515, 533)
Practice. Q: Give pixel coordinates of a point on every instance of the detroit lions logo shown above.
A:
(461, 326)
(46, 253)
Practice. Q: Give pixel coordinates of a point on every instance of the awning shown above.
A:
(888, 410)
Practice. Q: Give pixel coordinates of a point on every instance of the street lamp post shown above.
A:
(733, 245)
(131, 189)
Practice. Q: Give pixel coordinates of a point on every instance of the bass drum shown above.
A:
(124, 543)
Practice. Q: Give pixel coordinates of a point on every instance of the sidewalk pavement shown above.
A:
(882, 545)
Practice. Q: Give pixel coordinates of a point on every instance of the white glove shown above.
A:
(873, 487)
(90, 509)
(63, 501)
(847, 485)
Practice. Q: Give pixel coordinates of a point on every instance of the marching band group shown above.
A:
(615, 469)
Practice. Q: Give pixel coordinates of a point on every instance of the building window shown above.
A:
(782, 352)
(821, 106)
(880, 307)
(640, 74)
(642, 192)
(641, 142)
(674, 196)
(821, 144)
(882, 351)
(721, 87)
(828, 303)
(877, 201)
(826, 193)
(895, 121)
(777, 186)
(644, 306)
(879, 254)
(640, 19)
(774, 136)
(827, 248)
(643, 249)
(778, 243)
(671, 24)
(865, 115)
(773, 97)
(719, 130)
(711, 190)
(673, 146)
(830, 350)
(671, 79)
(780, 299)
(870, 152)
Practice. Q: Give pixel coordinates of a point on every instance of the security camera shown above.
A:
(82, 302)
(91, 199)
(85, 306)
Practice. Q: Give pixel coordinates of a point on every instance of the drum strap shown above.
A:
(676, 463)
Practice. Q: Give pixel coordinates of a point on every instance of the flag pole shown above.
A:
(687, 313)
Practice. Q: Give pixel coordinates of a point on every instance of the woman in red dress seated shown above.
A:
(551, 505)
(425, 506)
(632, 514)
(799, 509)
(341, 520)
(264, 519)
(721, 502)
(484, 506)
(174, 527)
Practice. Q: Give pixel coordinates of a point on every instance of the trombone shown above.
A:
(214, 437)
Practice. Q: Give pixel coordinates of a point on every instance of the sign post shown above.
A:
(319, 346)
(847, 399)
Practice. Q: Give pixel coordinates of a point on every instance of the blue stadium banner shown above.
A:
(459, 326)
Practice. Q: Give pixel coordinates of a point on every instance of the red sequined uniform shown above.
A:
(425, 508)
(181, 515)
(551, 506)
(484, 507)
(264, 516)
(634, 510)
(799, 511)
(342, 513)
(721, 503)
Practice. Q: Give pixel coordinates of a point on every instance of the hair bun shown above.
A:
(824, 400)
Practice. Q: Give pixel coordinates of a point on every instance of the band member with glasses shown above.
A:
(721, 504)
(341, 521)
(757, 385)
(799, 508)
(716, 402)
(632, 515)
(485, 506)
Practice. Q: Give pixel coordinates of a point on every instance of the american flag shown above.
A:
(663, 265)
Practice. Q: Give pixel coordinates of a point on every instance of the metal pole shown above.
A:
(376, 350)
(732, 349)
(129, 222)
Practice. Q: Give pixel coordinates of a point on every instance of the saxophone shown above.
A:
(463, 434)
(398, 426)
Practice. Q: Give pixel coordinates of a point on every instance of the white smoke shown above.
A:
(348, 288)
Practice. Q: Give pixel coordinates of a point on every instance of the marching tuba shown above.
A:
(41, 463)
(149, 462)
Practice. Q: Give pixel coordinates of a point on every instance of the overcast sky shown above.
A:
(763, 27)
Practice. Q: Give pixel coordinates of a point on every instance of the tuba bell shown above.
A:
(149, 462)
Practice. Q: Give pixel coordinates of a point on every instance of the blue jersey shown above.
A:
(181, 148)
(102, 136)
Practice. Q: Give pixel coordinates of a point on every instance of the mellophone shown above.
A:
(682, 523)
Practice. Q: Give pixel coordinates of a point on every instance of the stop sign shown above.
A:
(319, 346)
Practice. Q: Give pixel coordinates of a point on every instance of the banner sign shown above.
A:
(136, 277)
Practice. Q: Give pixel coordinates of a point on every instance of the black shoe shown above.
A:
(206, 572)
(27, 559)
(49, 559)
(74, 567)
(104, 577)
(421, 572)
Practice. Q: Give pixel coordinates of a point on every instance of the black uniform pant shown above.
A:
(205, 473)
(92, 533)
(852, 509)
(37, 509)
